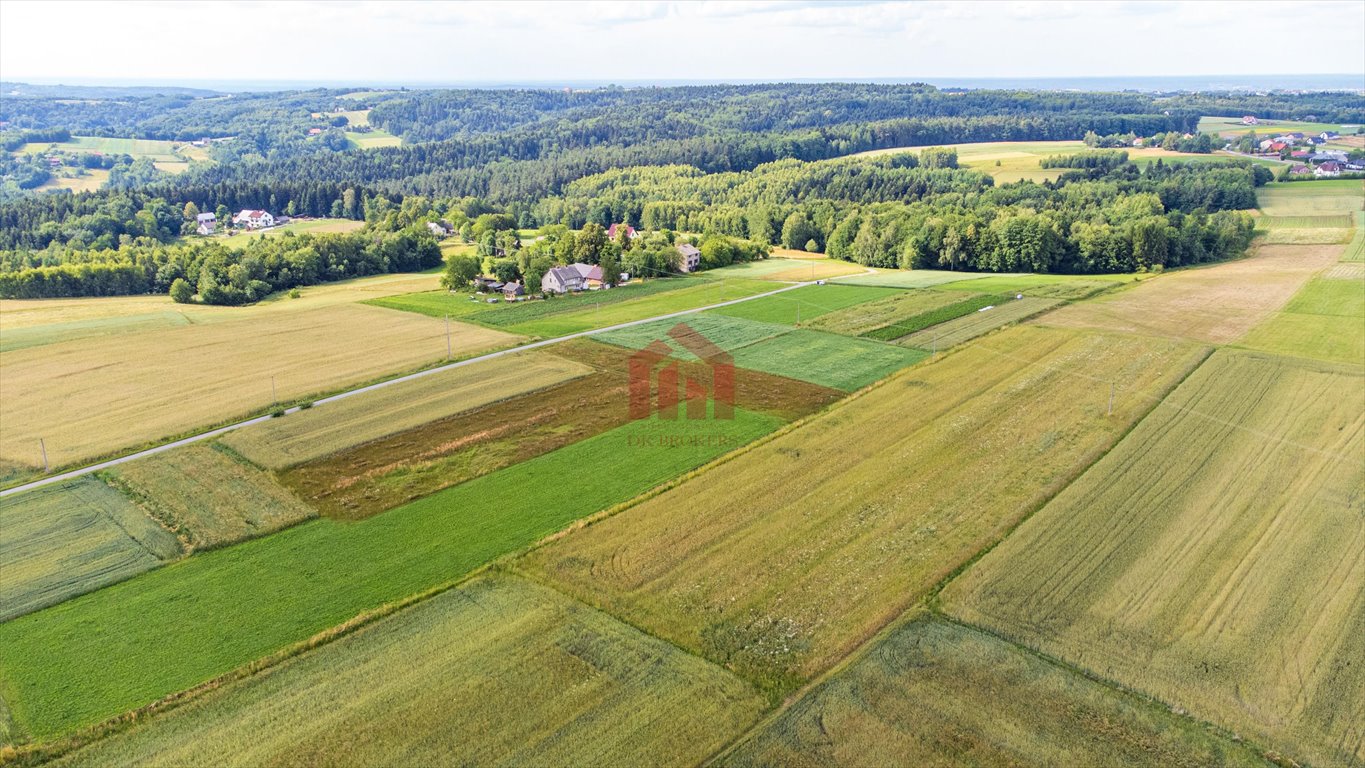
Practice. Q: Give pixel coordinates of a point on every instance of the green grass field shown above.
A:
(890, 310)
(1325, 320)
(372, 139)
(331, 427)
(727, 333)
(156, 150)
(977, 323)
(1045, 286)
(965, 304)
(910, 278)
(1212, 559)
(91, 658)
(936, 693)
(797, 306)
(1311, 198)
(207, 497)
(826, 359)
(241, 238)
(1324, 221)
(1232, 126)
(441, 303)
(782, 560)
(588, 316)
(68, 539)
(495, 672)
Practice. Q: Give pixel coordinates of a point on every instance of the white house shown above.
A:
(1328, 169)
(561, 280)
(207, 222)
(253, 219)
(1249, 120)
(691, 257)
(439, 228)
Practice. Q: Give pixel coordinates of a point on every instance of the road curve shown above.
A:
(212, 433)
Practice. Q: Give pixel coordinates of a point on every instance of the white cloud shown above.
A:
(367, 40)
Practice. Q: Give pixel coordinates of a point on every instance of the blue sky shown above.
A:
(634, 41)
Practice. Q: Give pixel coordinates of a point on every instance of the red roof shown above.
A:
(613, 229)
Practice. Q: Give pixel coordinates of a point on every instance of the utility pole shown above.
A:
(798, 313)
(447, 337)
(43, 445)
(274, 399)
(1111, 398)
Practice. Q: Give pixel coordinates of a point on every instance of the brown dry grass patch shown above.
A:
(386, 473)
(1217, 304)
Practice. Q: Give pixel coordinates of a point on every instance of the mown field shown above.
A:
(1232, 126)
(937, 693)
(35, 322)
(155, 149)
(811, 356)
(1325, 320)
(1010, 161)
(242, 238)
(1215, 559)
(68, 539)
(78, 663)
(372, 139)
(336, 426)
(802, 304)
(978, 323)
(208, 498)
(1218, 304)
(495, 672)
(93, 396)
(381, 474)
(780, 561)
(911, 278)
(888, 311)
(1311, 198)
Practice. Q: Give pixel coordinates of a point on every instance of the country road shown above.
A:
(212, 433)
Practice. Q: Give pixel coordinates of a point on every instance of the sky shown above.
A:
(427, 42)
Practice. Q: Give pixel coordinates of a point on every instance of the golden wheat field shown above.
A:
(1217, 304)
(781, 561)
(1215, 559)
(90, 397)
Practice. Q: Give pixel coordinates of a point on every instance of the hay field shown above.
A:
(802, 304)
(588, 316)
(1232, 126)
(332, 427)
(1218, 304)
(826, 359)
(153, 148)
(937, 693)
(64, 540)
(1215, 559)
(894, 308)
(94, 396)
(727, 333)
(782, 560)
(241, 239)
(172, 628)
(209, 498)
(372, 139)
(35, 322)
(912, 278)
(1325, 320)
(978, 323)
(1311, 198)
(1010, 161)
(496, 672)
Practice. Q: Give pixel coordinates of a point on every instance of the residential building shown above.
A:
(1300, 170)
(439, 228)
(1249, 120)
(253, 219)
(561, 280)
(615, 229)
(207, 222)
(1328, 169)
(691, 257)
(512, 290)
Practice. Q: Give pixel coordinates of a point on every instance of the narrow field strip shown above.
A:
(110, 651)
(1214, 559)
(496, 671)
(978, 323)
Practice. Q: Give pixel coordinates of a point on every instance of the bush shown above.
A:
(181, 291)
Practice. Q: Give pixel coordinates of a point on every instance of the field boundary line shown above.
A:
(212, 433)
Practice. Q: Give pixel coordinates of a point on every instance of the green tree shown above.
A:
(191, 211)
(460, 271)
(611, 267)
(589, 242)
(181, 292)
(812, 246)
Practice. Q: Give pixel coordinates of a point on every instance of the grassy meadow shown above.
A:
(243, 237)
(589, 316)
(911, 278)
(208, 498)
(93, 396)
(889, 311)
(782, 560)
(936, 693)
(88, 659)
(372, 139)
(797, 306)
(1217, 303)
(68, 539)
(331, 427)
(1212, 559)
(1325, 320)
(1232, 126)
(978, 323)
(498, 671)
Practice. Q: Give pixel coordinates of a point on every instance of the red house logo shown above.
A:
(674, 388)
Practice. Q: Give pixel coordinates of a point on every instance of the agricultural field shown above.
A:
(503, 314)
(89, 181)
(90, 397)
(1218, 303)
(172, 628)
(727, 333)
(978, 323)
(893, 308)
(844, 523)
(1232, 126)
(1325, 320)
(797, 306)
(1213, 559)
(372, 139)
(1010, 161)
(589, 316)
(565, 685)
(332, 427)
(242, 238)
(381, 474)
(35, 322)
(911, 278)
(937, 693)
(1311, 198)
(1070, 287)
(208, 498)
(167, 151)
(64, 540)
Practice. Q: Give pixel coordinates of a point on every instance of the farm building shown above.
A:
(513, 289)
(252, 219)
(575, 277)
(439, 228)
(691, 257)
(1329, 135)
(1330, 155)
(1249, 120)
(1300, 170)
(207, 223)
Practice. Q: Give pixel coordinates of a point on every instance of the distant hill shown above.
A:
(29, 91)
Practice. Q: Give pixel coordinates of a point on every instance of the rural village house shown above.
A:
(575, 277)
(614, 229)
(691, 257)
(1300, 170)
(254, 219)
(439, 228)
(1328, 169)
(207, 222)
